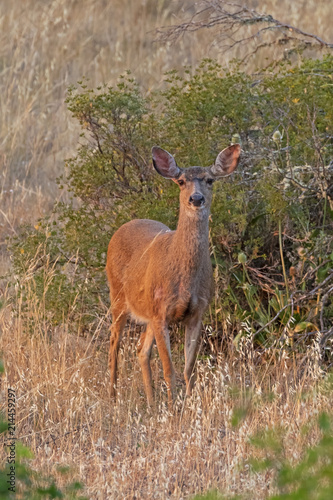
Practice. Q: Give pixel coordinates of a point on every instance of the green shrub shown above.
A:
(277, 210)
(34, 485)
(310, 479)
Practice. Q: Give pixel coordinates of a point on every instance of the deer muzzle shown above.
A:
(197, 200)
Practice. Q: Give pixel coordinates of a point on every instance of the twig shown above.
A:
(8, 221)
(322, 302)
(231, 17)
(326, 336)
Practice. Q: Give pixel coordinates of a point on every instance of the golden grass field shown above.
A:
(64, 413)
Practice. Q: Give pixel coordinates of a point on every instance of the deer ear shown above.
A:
(165, 164)
(226, 161)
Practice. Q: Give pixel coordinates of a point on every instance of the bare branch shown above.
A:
(232, 18)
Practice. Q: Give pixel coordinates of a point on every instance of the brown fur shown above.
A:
(160, 276)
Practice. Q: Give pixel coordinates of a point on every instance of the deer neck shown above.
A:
(191, 238)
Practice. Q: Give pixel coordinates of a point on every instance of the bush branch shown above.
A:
(232, 18)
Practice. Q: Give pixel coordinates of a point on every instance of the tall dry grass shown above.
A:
(126, 450)
(123, 450)
(45, 47)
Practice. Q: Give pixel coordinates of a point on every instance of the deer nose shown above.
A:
(197, 199)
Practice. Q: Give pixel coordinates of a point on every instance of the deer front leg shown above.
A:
(192, 336)
(163, 345)
(145, 345)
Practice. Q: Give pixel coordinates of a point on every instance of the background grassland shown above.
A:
(58, 367)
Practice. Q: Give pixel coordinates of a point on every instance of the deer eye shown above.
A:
(180, 182)
(210, 181)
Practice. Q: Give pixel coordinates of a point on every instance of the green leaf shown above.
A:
(23, 451)
(324, 422)
(303, 326)
(3, 426)
(238, 415)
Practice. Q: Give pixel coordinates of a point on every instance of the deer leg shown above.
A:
(145, 345)
(118, 323)
(192, 335)
(163, 345)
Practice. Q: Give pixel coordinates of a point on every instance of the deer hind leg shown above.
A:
(119, 317)
(145, 345)
(163, 345)
(192, 335)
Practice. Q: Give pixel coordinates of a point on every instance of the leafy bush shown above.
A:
(271, 224)
(33, 485)
(311, 478)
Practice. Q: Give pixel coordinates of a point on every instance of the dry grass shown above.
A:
(62, 385)
(126, 450)
(45, 47)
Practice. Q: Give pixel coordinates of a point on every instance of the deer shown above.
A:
(159, 277)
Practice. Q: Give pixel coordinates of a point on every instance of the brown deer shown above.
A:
(159, 276)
